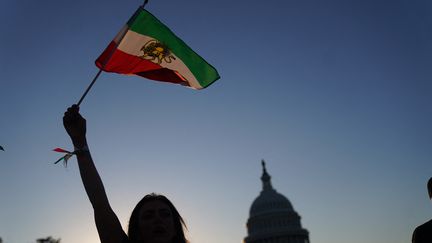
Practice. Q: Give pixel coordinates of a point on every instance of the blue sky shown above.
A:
(334, 95)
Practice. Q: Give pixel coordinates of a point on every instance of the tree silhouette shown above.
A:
(49, 239)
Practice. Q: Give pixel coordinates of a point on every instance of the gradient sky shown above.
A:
(334, 95)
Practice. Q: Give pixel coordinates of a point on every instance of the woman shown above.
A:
(153, 220)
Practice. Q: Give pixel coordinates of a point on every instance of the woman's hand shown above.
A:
(75, 126)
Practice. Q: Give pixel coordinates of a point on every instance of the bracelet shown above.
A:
(81, 150)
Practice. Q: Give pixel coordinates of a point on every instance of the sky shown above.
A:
(334, 95)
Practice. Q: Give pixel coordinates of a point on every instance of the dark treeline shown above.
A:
(48, 239)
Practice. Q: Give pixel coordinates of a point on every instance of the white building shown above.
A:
(272, 218)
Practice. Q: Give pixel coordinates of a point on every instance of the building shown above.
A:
(272, 218)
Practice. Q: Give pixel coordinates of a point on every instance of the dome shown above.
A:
(272, 217)
(270, 201)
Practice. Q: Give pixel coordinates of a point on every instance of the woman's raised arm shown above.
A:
(107, 223)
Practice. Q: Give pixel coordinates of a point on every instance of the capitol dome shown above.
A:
(272, 218)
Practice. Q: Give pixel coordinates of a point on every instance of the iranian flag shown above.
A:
(147, 48)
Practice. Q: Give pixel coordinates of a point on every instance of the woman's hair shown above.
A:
(429, 187)
(179, 224)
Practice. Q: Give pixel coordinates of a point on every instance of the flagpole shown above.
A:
(100, 70)
(89, 87)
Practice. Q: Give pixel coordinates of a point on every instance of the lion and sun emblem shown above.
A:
(156, 52)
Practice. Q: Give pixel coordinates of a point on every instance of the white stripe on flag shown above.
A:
(132, 43)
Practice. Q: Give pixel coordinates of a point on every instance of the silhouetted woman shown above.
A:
(153, 220)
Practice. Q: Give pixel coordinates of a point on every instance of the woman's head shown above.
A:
(156, 220)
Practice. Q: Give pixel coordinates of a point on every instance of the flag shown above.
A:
(147, 48)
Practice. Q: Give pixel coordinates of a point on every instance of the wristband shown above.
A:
(81, 150)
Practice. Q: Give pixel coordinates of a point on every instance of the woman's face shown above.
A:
(156, 222)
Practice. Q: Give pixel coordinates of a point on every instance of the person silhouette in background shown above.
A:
(423, 233)
(153, 220)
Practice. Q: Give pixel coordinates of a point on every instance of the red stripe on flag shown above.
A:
(114, 60)
(106, 54)
(164, 75)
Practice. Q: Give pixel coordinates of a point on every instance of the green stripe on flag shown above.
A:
(145, 23)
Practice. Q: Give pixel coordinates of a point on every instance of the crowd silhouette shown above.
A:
(154, 218)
